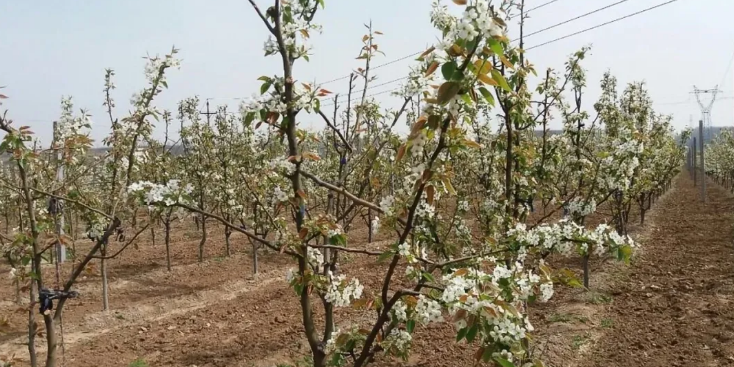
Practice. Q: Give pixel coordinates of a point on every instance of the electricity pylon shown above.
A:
(706, 108)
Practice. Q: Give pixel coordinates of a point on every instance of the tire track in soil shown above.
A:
(678, 307)
(238, 316)
(133, 316)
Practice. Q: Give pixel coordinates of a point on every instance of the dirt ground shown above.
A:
(670, 307)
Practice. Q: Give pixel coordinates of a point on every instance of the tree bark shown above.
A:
(167, 225)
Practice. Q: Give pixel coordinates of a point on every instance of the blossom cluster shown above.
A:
(492, 301)
(476, 20)
(566, 236)
(69, 125)
(168, 195)
(342, 293)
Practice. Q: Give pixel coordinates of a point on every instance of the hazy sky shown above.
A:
(54, 48)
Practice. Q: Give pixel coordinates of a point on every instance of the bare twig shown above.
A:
(125, 246)
(331, 126)
(262, 16)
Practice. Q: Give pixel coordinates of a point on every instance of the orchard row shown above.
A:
(472, 199)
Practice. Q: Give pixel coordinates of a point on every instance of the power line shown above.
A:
(579, 32)
(575, 18)
(529, 48)
(419, 52)
(688, 101)
(728, 67)
(369, 95)
(602, 24)
(375, 67)
(536, 32)
(535, 8)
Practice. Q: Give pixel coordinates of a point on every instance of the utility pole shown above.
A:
(207, 113)
(706, 108)
(703, 162)
(56, 205)
(688, 159)
(694, 147)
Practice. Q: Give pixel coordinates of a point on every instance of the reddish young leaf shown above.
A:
(432, 68)
(401, 153)
(426, 52)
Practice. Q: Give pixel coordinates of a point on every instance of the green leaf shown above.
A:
(284, 123)
(487, 354)
(264, 78)
(385, 255)
(496, 47)
(433, 122)
(503, 362)
(428, 277)
(249, 118)
(447, 91)
(410, 326)
(487, 95)
(264, 88)
(338, 240)
(449, 69)
(298, 287)
(305, 57)
(624, 253)
(472, 333)
(497, 76)
(461, 334)
(467, 99)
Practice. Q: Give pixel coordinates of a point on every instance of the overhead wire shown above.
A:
(526, 49)
(573, 19)
(571, 34)
(603, 24)
(728, 67)
(527, 11)
(419, 52)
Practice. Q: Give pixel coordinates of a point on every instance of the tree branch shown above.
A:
(125, 246)
(328, 123)
(343, 191)
(260, 14)
(236, 228)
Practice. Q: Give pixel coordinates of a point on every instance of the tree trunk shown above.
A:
(642, 216)
(227, 234)
(203, 240)
(167, 224)
(586, 271)
(254, 258)
(152, 235)
(32, 326)
(105, 295)
(50, 340)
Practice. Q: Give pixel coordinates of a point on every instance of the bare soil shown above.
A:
(676, 307)
(671, 307)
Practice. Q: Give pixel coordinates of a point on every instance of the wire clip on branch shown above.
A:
(46, 298)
